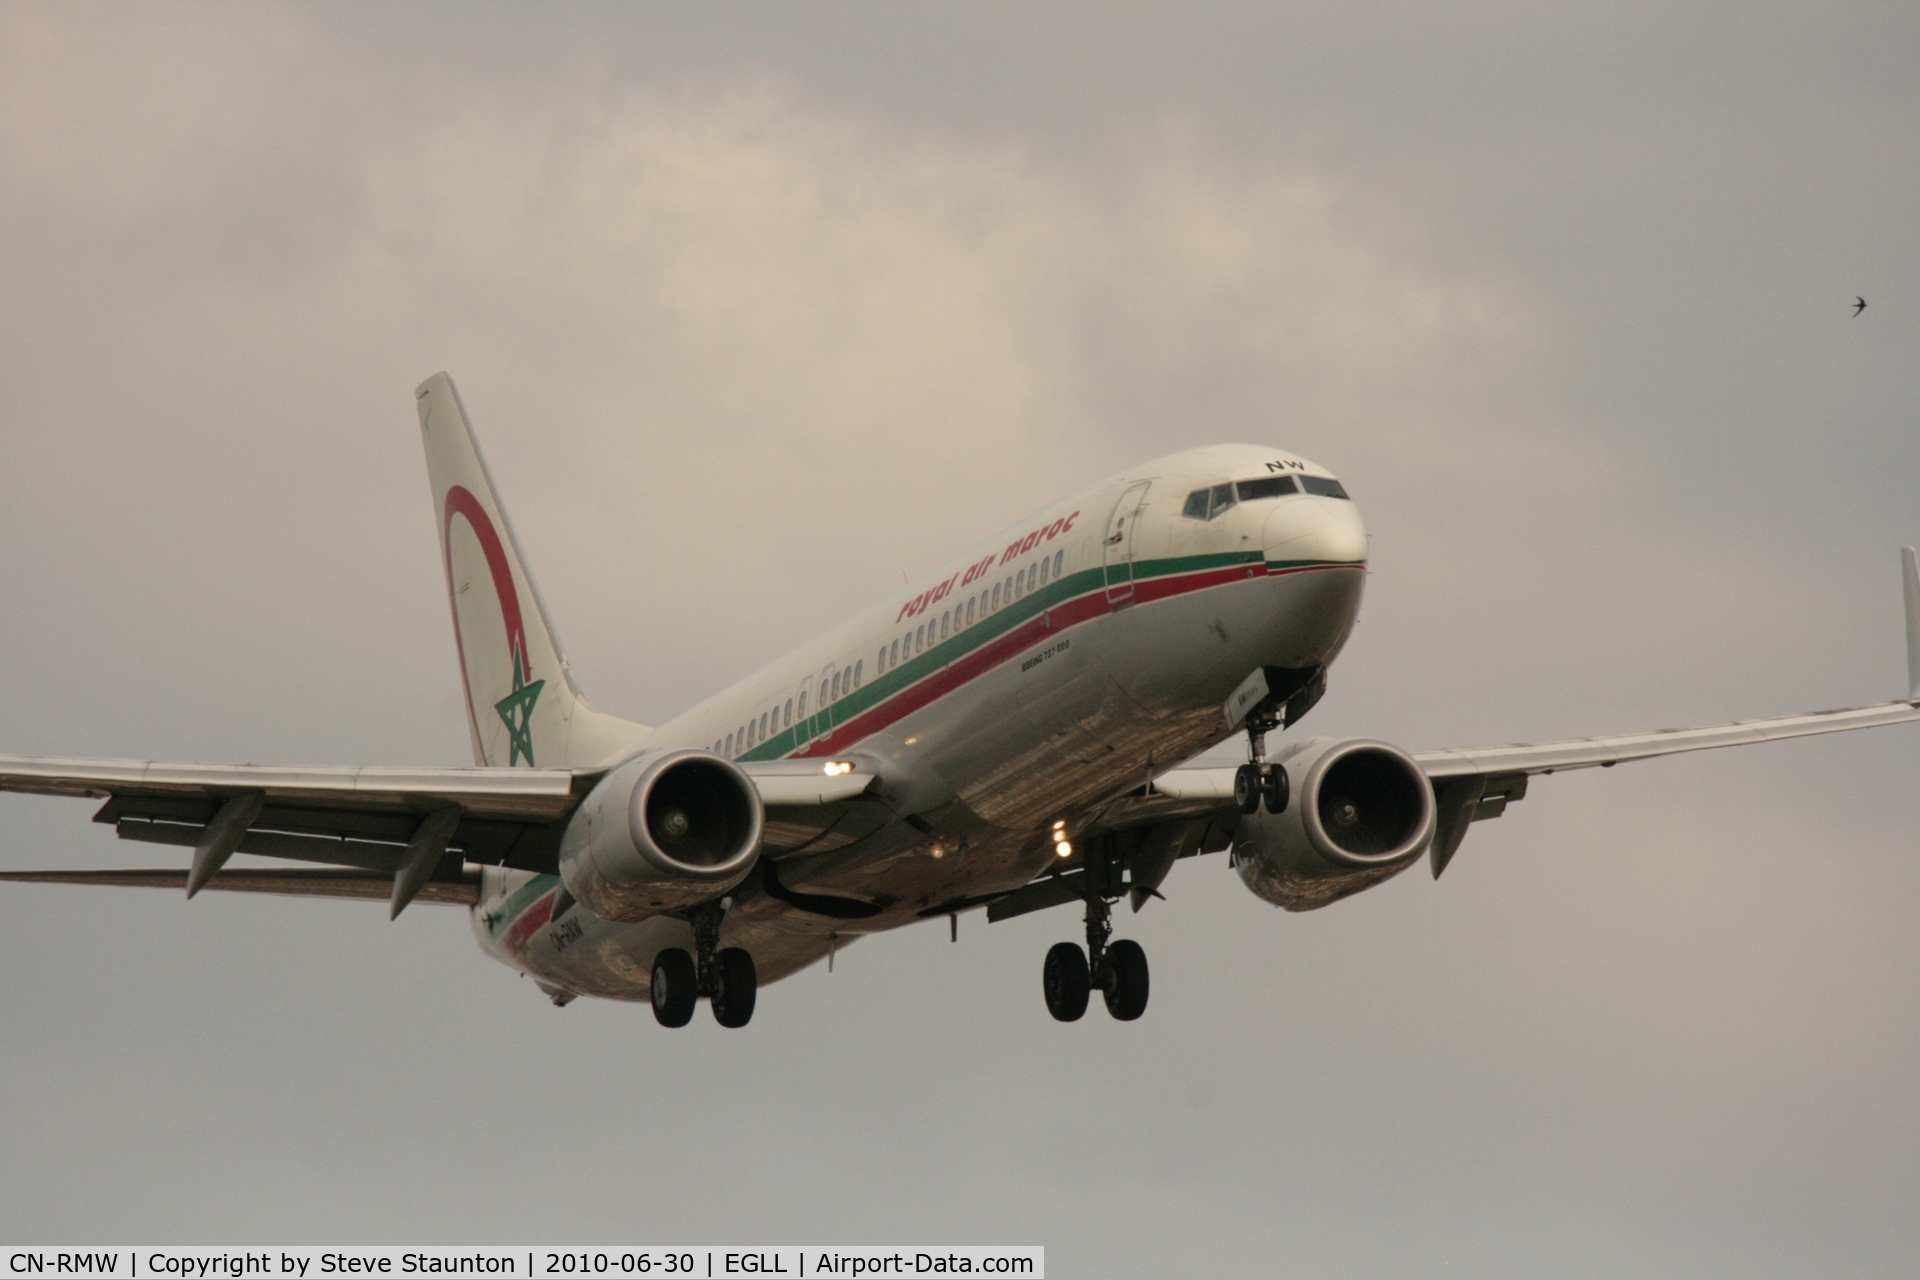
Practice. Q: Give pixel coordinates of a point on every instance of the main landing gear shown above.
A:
(724, 975)
(1118, 969)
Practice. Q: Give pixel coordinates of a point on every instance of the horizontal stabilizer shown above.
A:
(299, 882)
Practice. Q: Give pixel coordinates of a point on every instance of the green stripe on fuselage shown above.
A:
(911, 671)
(519, 900)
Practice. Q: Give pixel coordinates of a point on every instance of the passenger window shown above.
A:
(1222, 499)
(1266, 487)
(836, 686)
(1059, 558)
(729, 746)
(996, 595)
(919, 638)
(803, 704)
(945, 619)
(763, 724)
(1322, 486)
(859, 672)
(970, 600)
(893, 653)
(1196, 508)
(788, 722)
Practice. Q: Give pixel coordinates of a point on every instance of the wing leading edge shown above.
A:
(1471, 784)
(396, 833)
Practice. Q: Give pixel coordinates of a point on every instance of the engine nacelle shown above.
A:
(1361, 811)
(662, 832)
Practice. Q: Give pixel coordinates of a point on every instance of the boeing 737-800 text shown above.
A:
(1006, 734)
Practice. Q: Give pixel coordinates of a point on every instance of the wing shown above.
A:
(1474, 783)
(408, 832)
(297, 882)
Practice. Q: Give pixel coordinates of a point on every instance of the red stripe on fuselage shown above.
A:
(1071, 613)
(530, 919)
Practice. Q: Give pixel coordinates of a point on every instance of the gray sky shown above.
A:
(757, 308)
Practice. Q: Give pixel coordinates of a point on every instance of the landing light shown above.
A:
(837, 767)
(1064, 849)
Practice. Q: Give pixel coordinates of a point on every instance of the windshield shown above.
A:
(1266, 487)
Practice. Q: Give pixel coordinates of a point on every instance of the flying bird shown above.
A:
(1859, 304)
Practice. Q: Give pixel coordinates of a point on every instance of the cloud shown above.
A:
(110, 113)
(744, 345)
(808, 338)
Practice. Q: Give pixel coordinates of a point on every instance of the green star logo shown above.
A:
(516, 709)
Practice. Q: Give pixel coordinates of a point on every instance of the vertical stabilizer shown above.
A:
(522, 705)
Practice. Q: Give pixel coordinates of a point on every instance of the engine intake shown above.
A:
(1362, 812)
(662, 832)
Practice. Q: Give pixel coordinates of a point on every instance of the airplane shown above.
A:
(1014, 731)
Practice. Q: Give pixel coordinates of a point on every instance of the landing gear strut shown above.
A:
(1258, 782)
(1118, 970)
(724, 975)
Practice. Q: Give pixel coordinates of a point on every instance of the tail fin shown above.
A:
(522, 704)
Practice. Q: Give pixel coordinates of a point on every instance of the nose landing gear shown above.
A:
(724, 975)
(1257, 782)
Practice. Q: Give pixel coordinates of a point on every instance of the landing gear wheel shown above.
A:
(1126, 980)
(1068, 981)
(1277, 789)
(734, 982)
(675, 988)
(1247, 788)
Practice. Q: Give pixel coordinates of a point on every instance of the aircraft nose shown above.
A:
(1316, 530)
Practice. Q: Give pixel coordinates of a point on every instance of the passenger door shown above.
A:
(1118, 550)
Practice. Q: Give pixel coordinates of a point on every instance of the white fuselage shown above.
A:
(1047, 670)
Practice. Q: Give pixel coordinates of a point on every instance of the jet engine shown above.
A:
(1361, 812)
(661, 832)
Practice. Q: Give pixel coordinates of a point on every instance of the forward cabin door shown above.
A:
(1119, 545)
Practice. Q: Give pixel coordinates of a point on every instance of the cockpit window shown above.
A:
(1322, 486)
(1266, 487)
(1211, 504)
